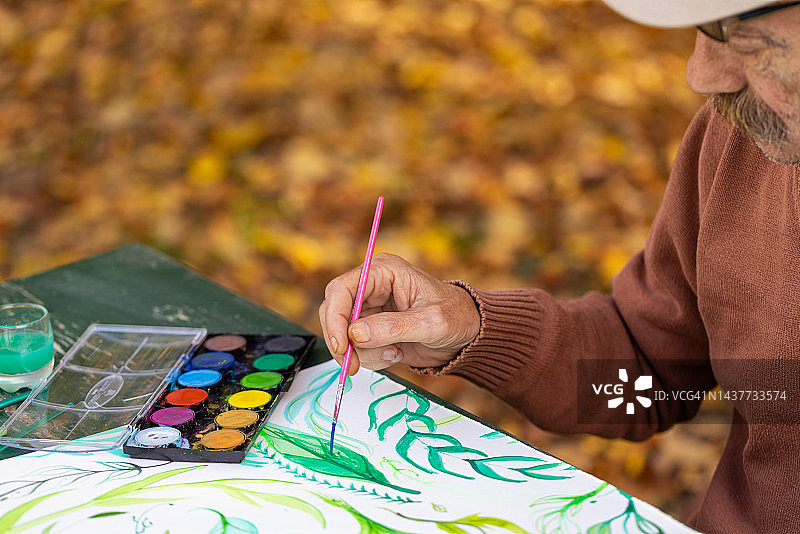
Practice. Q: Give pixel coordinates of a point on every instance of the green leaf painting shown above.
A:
(630, 519)
(308, 405)
(10, 518)
(367, 525)
(106, 514)
(313, 453)
(139, 492)
(418, 412)
(10, 521)
(66, 475)
(232, 525)
(464, 525)
(542, 471)
(474, 522)
(423, 446)
(559, 513)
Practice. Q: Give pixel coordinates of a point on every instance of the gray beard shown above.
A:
(753, 118)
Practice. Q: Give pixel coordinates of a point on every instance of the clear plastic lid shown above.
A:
(110, 376)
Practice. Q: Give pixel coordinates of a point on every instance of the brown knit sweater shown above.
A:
(716, 287)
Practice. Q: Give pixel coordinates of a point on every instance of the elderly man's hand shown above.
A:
(408, 316)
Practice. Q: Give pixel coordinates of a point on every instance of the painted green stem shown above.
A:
(476, 521)
(367, 525)
(560, 519)
(132, 493)
(28, 486)
(630, 518)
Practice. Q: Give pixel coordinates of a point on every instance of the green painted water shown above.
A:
(24, 352)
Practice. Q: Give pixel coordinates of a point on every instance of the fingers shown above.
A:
(425, 325)
(335, 310)
(355, 363)
(385, 339)
(408, 316)
(340, 293)
(379, 357)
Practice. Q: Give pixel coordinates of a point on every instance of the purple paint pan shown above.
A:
(179, 418)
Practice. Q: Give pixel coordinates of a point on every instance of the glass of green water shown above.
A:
(26, 346)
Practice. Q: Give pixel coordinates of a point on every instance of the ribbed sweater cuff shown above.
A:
(510, 328)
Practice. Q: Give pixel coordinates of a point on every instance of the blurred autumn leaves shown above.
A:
(517, 142)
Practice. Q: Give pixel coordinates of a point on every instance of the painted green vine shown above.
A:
(630, 519)
(563, 509)
(309, 407)
(440, 447)
(475, 521)
(139, 491)
(65, 475)
(455, 526)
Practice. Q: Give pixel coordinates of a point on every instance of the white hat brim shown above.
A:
(677, 13)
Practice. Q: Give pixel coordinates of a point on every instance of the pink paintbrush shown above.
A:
(362, 282)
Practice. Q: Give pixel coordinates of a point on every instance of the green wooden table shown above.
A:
(138, 285)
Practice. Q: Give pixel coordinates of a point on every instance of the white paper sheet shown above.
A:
(402, 464)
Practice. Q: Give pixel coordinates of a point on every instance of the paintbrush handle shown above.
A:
(362, 283)
(362, 280)
(359, 302)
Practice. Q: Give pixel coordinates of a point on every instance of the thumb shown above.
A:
(421, 325)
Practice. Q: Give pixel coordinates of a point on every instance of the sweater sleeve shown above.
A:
(542, 354)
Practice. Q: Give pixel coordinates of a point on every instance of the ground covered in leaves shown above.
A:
(517, 142)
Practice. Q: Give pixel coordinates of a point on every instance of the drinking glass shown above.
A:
(26, 346)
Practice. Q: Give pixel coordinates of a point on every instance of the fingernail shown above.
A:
(360, 332)
(334, 344)
(389, 355)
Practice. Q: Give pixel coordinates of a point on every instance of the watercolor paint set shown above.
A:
(159, 392)
(219, 400)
